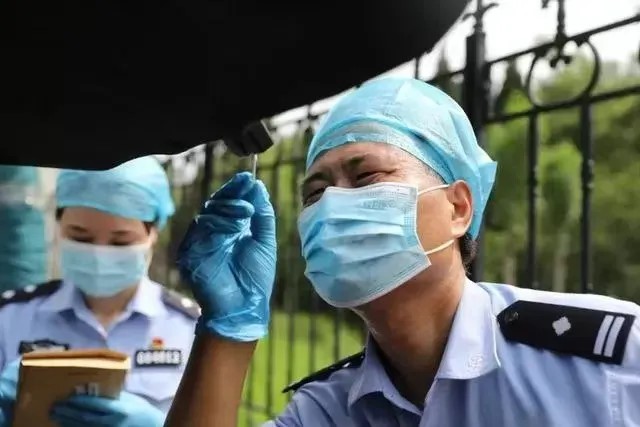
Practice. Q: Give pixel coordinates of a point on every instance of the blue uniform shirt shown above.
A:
(152, 323)
(485, 380)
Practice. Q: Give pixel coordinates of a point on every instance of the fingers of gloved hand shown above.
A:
(93, 410)
(65, 415)
(7, 398)
(228, 208)
(263, 221)
(230, 218)
(8, 389)
(209, 238)
(214, 226)
(6, 413)
(235, 188)
(10, 371)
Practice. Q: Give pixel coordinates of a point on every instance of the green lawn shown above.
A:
(290, 359)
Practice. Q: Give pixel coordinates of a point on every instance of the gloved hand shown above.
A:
(128, 410)
(8, 390)
(229, 257)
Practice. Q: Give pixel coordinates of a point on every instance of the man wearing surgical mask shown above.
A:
(394, 194)
(108, 224)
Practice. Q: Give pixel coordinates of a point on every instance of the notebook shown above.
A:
(49, 376)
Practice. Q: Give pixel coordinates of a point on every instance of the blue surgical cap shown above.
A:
(137, 189)
(418, 118)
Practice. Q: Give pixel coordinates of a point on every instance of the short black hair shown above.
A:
(147, 224)
(468, 250)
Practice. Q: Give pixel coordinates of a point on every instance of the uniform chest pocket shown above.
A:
(157, 384)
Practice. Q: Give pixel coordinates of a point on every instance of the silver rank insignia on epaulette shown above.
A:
(352, 361)
(591, 334)
(28, 293)
(181, 303)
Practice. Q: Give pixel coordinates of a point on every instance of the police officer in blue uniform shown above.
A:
(108, 224)
(394, 195)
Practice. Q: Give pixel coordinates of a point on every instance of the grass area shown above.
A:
(280, 360)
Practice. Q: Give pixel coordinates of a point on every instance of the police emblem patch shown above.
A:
(41, 345)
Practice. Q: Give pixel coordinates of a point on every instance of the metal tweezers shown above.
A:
(254, 164)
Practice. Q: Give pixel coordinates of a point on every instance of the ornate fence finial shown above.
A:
(560, 39)
(478, 14)
(560, 29)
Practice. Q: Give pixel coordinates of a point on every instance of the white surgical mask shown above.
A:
(362, 243)
(103, 271)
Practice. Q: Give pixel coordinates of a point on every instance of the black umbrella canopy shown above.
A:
(92, 83)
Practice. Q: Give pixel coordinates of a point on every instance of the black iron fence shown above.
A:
(539, 226)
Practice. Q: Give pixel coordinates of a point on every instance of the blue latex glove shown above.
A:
(128, 410)
(8, 390)
(229, 257)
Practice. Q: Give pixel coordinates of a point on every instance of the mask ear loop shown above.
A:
(430, 189)
(441, 247)
(448, 242)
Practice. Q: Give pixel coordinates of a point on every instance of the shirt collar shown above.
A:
(65, 298)
(372, 377)
(470, 351)
(146, 301)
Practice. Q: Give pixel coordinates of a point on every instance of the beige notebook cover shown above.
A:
(47, 377)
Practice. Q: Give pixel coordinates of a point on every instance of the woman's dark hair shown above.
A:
(147, 224)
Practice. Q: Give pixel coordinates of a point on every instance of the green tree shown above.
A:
(512, 83)
(560, 213)
(506, 214)
(444, 82)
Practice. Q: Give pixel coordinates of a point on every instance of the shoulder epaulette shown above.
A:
(592, 334)
(181, 303)
(352, 361)
(29, 292)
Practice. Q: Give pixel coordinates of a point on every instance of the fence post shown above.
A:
(475, 98)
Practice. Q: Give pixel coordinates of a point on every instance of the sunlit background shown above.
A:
(306, 334)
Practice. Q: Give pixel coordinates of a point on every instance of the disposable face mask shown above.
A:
(362, 243)
(102, 271)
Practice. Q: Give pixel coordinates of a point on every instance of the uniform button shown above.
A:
(29, 289)
(511, 316)
(8, 294)
(475, 362)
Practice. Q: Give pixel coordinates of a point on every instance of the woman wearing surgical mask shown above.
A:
(108, 224)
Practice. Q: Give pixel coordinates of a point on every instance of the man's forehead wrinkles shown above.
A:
(354, 161)
(374, 151)
(349, 157)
